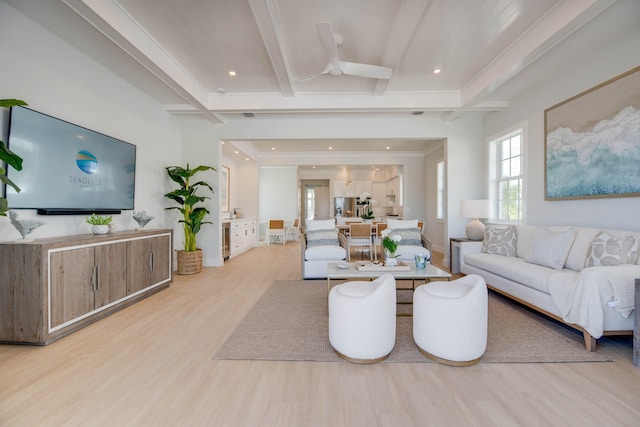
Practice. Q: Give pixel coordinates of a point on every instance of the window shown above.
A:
(507, 180)
(440, 189)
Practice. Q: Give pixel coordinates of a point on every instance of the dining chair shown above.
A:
(294, 230)
(377, 239)
(276, 229)
(360, 238)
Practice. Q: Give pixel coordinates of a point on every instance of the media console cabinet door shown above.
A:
(71, 273)
(148, 262)
(111, 263)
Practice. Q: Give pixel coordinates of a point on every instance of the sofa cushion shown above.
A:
(512, 268)
(322, 237)
(401, 223)
(325, 253)
(320, 224)
(410, 236)
(550, 248)
(580, 247)
(500, 241)
(606, 249)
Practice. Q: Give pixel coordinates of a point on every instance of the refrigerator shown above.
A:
(344, 207)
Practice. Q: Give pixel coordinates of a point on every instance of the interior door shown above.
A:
(323, 204)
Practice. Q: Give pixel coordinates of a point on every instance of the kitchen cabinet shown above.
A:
(52, 287)
(341, 189)
(243, 236)
(360, 187)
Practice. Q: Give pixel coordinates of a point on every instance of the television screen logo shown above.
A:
(87, 162)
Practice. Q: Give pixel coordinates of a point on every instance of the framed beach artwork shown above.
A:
(592, 142)
(224, 189)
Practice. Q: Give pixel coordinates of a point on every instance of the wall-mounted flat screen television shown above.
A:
(68, 169)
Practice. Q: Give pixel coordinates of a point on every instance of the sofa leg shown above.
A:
(589, 341)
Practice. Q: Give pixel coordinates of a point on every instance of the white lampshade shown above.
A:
(478, 208)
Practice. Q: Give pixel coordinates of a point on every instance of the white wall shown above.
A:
(609, 55)
(278, 189)
(434, 228)
(59, 80)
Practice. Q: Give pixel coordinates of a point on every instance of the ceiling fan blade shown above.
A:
(325, 33)
(365, 70)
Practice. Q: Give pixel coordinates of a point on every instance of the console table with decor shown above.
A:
(52, 287)
(454, 253)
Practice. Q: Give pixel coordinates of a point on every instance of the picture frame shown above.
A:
(592, 142)
(224, 188)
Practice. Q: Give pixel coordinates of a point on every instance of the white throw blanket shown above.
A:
(583, 304)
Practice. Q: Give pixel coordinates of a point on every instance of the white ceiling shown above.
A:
(180, 53)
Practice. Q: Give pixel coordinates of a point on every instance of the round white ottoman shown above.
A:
(362, 319)
(450, 320)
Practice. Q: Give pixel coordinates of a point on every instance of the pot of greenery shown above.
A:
(99, 224)
(11, 159)
(187, 199)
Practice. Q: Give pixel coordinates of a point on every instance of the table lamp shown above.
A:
(475, 209)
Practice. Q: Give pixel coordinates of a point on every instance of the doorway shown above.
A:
(315, 200)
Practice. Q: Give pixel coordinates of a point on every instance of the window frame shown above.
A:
(495, 162)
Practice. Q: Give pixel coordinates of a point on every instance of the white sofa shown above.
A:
(321, 243)
(567, 273)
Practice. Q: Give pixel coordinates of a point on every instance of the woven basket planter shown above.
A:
(189, 262)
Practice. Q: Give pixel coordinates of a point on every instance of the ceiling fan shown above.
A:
(337, 67)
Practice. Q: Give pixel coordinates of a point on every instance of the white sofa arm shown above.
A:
(468, 248)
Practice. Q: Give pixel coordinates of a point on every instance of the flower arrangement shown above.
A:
(390, 242)
(366, 202)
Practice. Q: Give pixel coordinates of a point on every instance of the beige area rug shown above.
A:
(290, 322)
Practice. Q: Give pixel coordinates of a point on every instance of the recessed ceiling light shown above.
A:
(313, 167)
(388, 148)
(232, 73)
(273, 148)
(330, 148)
(246, 158)
(236, 152)
(437, 71)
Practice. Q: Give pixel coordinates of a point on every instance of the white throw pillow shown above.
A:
(320, 224)
(395, 224)
(500, 241)
(550, 248)
(606, 249)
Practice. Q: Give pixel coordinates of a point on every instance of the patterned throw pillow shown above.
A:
(322, 237)
(550, 248)
(500, 241)
(410, 236)
(606, 249)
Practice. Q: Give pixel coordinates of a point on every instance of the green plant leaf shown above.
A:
(11, 158)
(6, 103)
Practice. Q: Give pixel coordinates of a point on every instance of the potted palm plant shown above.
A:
(11, 159)
(187, 199)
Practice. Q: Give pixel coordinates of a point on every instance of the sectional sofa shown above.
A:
(581, 276)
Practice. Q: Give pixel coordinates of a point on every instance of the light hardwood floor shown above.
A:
(151, 365)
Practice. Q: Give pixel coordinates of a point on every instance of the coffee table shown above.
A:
(412, 273)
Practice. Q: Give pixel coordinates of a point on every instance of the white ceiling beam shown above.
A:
(269, 27)
(402, 31)
(559, 22)
(398, 101)
(115, 23)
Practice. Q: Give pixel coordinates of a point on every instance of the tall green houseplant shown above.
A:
(187, 199)
(11, 159)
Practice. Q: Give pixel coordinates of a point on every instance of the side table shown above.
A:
(454, 253)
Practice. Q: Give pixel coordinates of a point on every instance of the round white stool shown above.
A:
(450, 320)
(362, 319)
